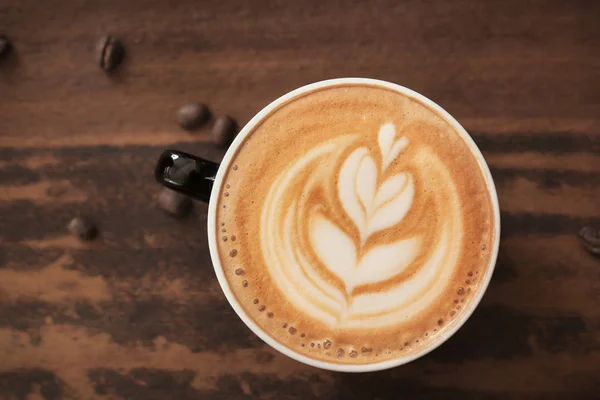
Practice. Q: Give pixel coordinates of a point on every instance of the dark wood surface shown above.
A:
(138, 314)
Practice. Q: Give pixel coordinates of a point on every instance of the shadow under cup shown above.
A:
(202, 180)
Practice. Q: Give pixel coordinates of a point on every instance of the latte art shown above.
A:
(354, 225)
(306, 242)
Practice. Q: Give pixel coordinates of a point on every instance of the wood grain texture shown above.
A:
(138, 314)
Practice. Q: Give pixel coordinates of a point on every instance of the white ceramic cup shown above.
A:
(210, 180)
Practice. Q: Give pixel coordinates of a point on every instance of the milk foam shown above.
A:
(373, 201)
(363, 225)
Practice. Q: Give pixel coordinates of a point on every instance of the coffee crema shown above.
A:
(354, 225)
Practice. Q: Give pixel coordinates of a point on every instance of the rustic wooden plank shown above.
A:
(19, 384)
(588, 163)
(532, 199)
(453, 374)
(240, 58)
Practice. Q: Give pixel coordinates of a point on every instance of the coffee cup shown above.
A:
(353, 224)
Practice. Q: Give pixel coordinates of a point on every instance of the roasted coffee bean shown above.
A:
(5, 46)
(192, 116)
(109, 53)
(224, 131)
(174, 203)
(590, 238)
(83, 227)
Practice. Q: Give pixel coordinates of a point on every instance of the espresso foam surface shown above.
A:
(354, 225)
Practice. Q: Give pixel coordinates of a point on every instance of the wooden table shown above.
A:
(138, 314)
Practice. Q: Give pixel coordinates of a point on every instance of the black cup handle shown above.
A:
(187, 174)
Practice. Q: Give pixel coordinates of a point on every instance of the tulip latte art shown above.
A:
(354, 225)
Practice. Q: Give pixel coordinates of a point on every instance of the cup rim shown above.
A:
(212, 237)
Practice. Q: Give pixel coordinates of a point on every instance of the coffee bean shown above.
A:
(224, 131)
(590, 238)
(5, 46)
(83, 227)
(192, 116)
(109, 53)
(174, 203)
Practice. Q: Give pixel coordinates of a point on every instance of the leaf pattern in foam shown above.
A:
(366, 180)
(395, 150)
(392, 209)
(347, 193)
(389, 149)
(385, 138)
(391, 188)
(372, 209)
(333, 246)
(383, 262)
